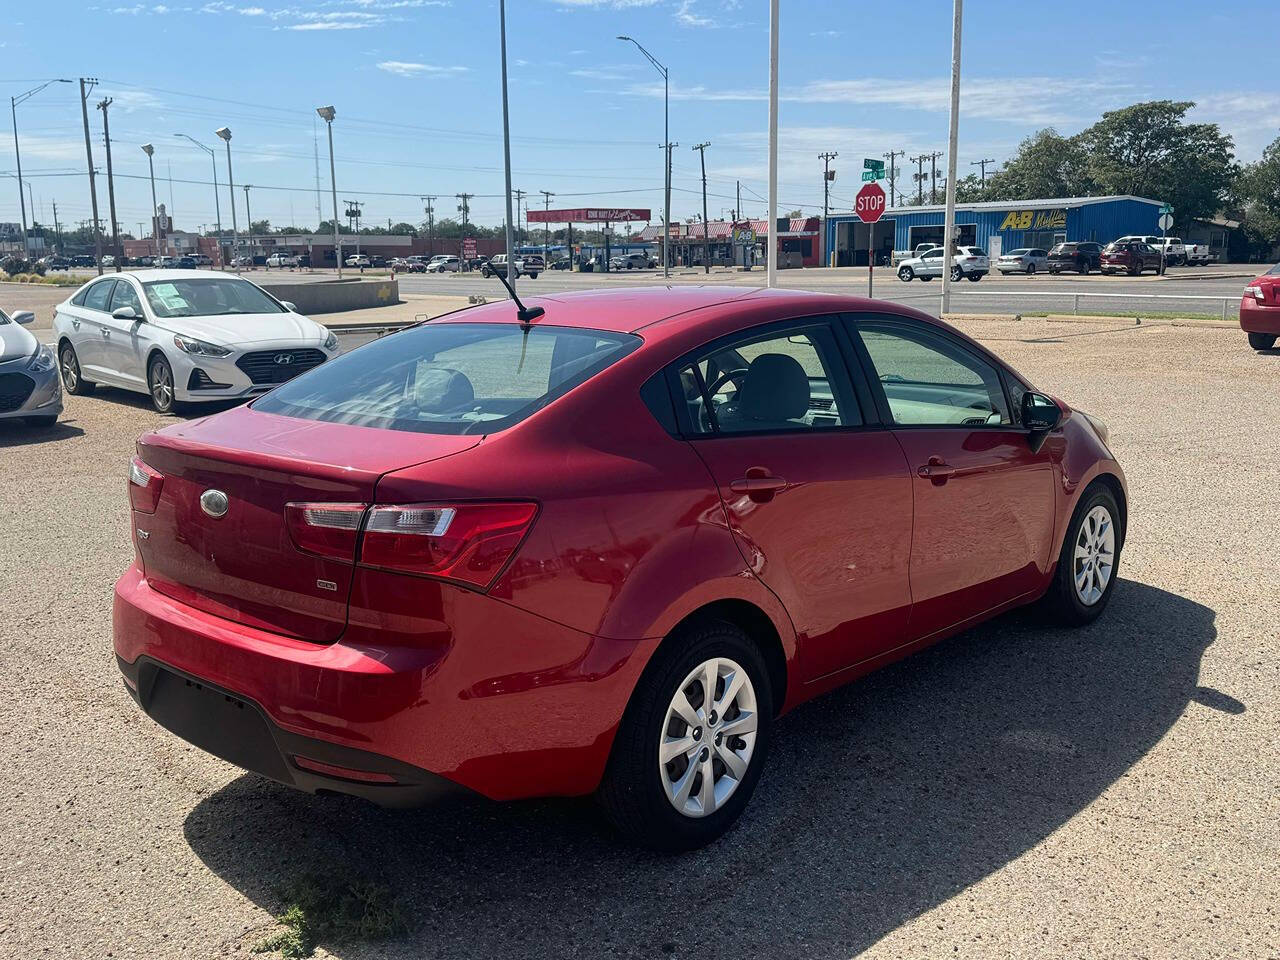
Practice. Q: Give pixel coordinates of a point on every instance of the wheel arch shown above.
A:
(1113, 484)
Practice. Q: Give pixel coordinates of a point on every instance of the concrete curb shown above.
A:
(1072, 318)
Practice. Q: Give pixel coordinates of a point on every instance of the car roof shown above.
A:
(650, 308)
(147, 275)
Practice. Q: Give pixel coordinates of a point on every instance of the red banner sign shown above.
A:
(590, 215)
(469, 247)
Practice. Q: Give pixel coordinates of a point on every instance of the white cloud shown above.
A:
(402, 68)
(611, 4)
(686, 17)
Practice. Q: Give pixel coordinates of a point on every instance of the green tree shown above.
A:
(1258, 194)
(1149, 150)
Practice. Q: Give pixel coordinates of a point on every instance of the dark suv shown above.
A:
(1131, 257)
(1080, 257)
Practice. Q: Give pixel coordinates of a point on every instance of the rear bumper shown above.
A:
(241, 732)
(1259, 317)
(495, 699)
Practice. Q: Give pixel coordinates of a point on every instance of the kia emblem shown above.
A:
(283, 358)
(214, 503)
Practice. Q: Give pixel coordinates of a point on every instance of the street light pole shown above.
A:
(327, 114)
(666, 146)
(148, 149)
(217, 204)
(225, 134)
(17, 155)
(771, 265)
(949, 216)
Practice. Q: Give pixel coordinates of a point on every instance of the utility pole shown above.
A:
(353, 211)
(983, 164)
(666, 222)
(519, 194)
(111, 185)
(919, 176)
(57, 230)
(464, 208)
(933, 175)
(546, 227)
(826, 159)
(431, 224)
(88, 151)
(248, 219)
(953, 136)
(706, 242)
(893, 169)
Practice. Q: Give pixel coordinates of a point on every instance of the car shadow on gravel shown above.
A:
(14, 433)
(879, 802)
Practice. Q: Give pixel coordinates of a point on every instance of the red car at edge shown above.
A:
(1260, 310)
(598, 551)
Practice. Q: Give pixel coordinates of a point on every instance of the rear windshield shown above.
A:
(450, 377)
(1064, 248)
(1273, 272)
(207, 297)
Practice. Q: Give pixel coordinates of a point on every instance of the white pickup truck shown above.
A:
(1197, 254)
(919, 251)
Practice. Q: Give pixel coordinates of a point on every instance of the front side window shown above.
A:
(784, 381)
(98, 295)
(126, 296)
(930, 380)
(207, 297)
(453, 378)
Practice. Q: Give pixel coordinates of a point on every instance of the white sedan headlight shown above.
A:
(43, 360)
(198, 348)
(331, 341)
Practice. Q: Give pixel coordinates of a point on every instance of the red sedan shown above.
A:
(600, 550)
(1260, 310)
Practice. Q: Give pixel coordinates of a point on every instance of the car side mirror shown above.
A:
(1040, 415)
(23, 317)
(289, 305)
(125, 313)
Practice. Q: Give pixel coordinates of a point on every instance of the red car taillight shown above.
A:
(325, 529)
(465, 542)
(144, 486)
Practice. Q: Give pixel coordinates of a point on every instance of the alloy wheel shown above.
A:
(70, 370)
(161, 385)
(708, 736)
(1095, 555)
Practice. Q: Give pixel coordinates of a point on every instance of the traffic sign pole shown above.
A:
(871, 258)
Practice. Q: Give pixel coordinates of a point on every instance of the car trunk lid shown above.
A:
(244, 565)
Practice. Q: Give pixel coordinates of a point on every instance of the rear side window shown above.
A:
(450, 378)
(96, 296)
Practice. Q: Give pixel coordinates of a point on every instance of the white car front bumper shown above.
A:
(244, 373)
(26, 393)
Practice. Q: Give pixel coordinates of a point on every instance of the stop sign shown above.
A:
(870, 203)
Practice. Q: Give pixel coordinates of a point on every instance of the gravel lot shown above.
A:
(1019, 791)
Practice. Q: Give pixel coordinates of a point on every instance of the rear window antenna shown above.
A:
(526, 315)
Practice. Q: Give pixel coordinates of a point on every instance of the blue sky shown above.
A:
(415, 84)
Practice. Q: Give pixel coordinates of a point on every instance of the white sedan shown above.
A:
(184, 336)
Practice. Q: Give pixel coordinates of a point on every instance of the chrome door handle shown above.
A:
(76, 324)
(106, 334)
(936, 470)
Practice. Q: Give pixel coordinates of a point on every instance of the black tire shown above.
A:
(632, 793)
(974, 277)
(160, 373)
(533, 276)
(906, 274)
(924, 279)
(1084, 268)
(956, 274)
(1031, 269)
(69, 370)
(1262, 341)
(1062, 602)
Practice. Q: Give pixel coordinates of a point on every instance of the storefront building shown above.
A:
(996, 227)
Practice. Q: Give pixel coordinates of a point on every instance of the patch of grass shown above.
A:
(51, 280)
(1135, 314)
(332, 910)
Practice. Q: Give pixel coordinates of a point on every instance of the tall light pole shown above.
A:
(949, 216)
(217, 204)
(148, 149)
(17, 155)
(771, 265)
(225, 134)
(506, 145)
(666, 147)
(327, 114)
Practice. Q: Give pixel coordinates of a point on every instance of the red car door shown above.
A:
(818, 495)
(984, 500)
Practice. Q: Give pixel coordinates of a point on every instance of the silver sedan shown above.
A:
(1023, 260)
(29, 386)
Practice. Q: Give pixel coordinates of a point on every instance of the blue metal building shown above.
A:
(997, 227)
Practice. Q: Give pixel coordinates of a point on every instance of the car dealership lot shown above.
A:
(1019, 790)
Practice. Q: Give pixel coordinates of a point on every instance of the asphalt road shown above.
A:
(1018, 791)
